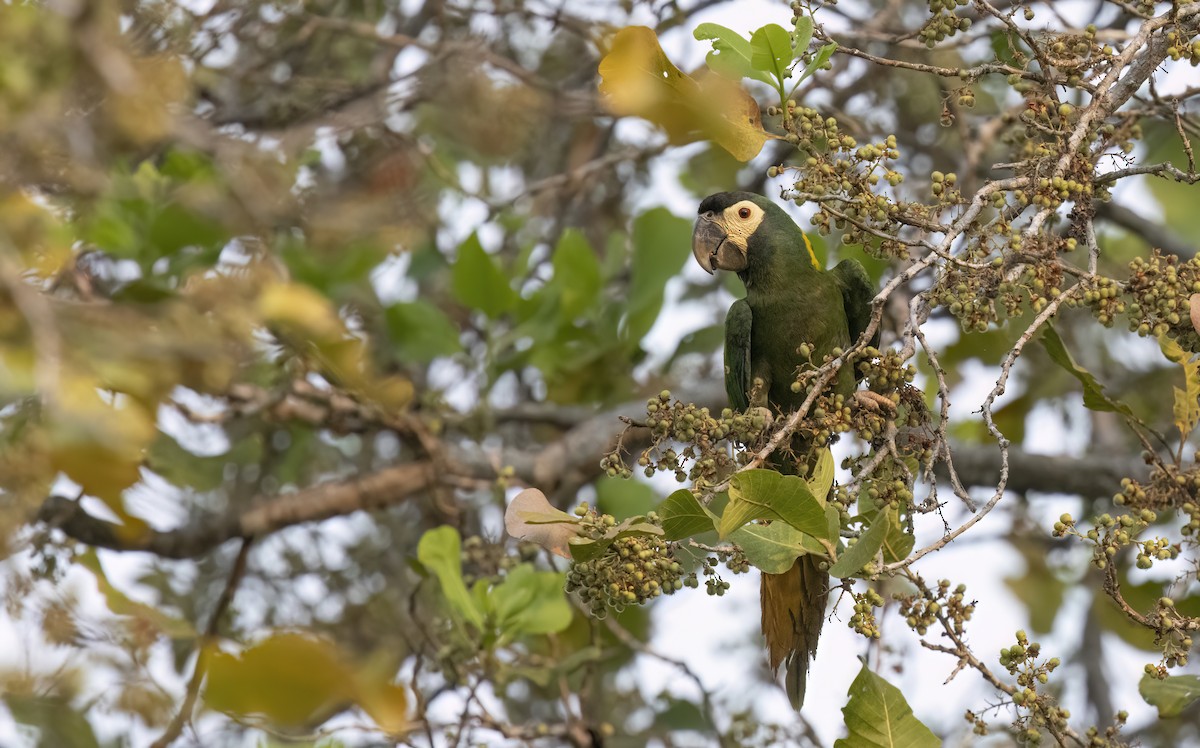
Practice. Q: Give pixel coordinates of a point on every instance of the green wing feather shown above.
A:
(737, 354)
(857, 292)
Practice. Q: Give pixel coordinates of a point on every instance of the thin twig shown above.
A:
(203, 644)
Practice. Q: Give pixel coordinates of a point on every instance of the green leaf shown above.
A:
(704, 340)
(439, 551)
(767, 494)
(333, 271)
(775, 547)
(1039, 588)
(576, 274)
(710, 170)
(1112, 619)
(147, 290)
(684, 516)
(420, 332)
(772, 548)
(426, 261)
(189, 166)
(682, 714)
(731, 53)
(478, 283)
(821, 480)
(1171, 695)
(877, 716)
(818, 61)
(1004, 46)
(862, 552)
(1176, 199)
(899, 541)
(575, 660)
(539, 676)
(661, 245)
(635, 526)
(584, 549)
(802, 35)
(114, 228)
(1093, 392)
(56, 722)
(175, 227)
(771, 51)
(624, 498)
(1010, 418)
(833, 525)
(737, 514)
(530, 602)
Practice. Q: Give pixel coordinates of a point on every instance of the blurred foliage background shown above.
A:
(286, 285)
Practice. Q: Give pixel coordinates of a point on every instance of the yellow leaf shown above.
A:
(294, 679)
(638, 79)
(289, 678)
(98, 443)
(43, 241)
(345, 362)
(392, 392)
(1187, 400)
(386, 703)
(302, 310)
(17, 360)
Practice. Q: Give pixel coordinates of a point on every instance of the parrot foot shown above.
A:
(875, 402)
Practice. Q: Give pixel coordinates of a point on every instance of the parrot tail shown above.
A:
(793, 609)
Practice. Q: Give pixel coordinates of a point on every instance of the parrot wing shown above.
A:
(737, 354)
(857, 292)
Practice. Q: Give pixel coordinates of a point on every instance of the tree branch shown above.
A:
(571, 459)
(1090, 476)
(377, 490)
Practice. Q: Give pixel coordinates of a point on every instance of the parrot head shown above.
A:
(727, 220)
(735, 229)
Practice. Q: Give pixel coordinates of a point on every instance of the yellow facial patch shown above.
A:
(740, 221)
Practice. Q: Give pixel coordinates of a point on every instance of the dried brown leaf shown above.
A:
(531, 517)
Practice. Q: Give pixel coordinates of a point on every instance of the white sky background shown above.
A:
(718, 637)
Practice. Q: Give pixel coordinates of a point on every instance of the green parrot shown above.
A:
(789, 300)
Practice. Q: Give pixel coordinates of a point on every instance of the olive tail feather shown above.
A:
(793, 609)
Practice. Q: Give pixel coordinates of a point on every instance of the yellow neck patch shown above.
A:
(811, 254)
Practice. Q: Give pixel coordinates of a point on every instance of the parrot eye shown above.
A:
(744, 213)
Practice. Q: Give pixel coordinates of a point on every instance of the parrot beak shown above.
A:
(712, 248)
